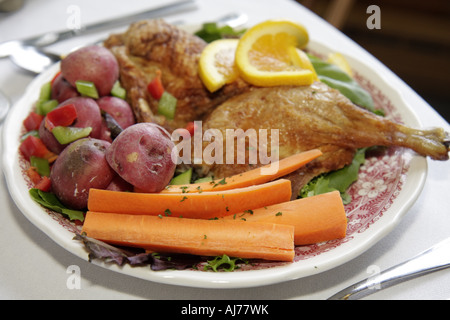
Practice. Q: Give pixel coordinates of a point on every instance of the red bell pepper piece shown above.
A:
(63, 116)
(191, 127)
(32, 121)
(44, 184)
(34, 176)
(155, 87)
(33, 146)
(54, 78)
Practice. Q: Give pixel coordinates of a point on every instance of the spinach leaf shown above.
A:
(50, 201)
(338, 79)
(211, 31)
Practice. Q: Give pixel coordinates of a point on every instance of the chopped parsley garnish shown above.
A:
(221, 182)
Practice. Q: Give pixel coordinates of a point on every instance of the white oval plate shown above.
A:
(388, 186)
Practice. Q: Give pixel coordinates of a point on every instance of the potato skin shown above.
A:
(88, 115)
(92, 63)
(141, 155)
(119, 109)
(63, 90)
(82, 165)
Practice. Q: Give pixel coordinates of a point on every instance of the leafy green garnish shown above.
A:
(211, 31)
(338, 79)
(339, 180)
(50, 201)
(224, 263)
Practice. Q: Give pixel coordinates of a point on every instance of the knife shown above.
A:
(433, 259)
(7, 48)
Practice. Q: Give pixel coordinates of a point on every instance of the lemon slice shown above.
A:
(300, 58)
(340, 61)
(264, 55)
(217, 66)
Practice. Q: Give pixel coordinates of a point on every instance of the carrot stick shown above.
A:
(251, 177)
(315, 219)
(193, 236)
(205, 205)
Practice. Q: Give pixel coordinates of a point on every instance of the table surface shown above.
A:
(33, 266)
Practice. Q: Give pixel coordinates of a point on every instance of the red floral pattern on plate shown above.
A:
(380, 181)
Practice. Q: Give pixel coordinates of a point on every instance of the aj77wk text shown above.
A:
(231, 310)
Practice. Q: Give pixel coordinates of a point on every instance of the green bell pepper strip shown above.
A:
(87, 89)
(118, 91)
(45, 103)
(66, 135)
(42, 166)
(44, 107)
(167, 105)
(183, 178)
(46, 91)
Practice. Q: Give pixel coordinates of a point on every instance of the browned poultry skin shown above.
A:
(317, 116)
(151, 45)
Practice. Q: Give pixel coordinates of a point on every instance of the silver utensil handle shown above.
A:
(53, 37)
(434, 259)
(165, 10)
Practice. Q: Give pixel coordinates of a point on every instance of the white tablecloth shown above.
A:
(32, 266)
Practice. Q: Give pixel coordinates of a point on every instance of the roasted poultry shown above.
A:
(151, 45)
(307, 117)
(317, 116)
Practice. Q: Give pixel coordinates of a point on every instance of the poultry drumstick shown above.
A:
(317, 116)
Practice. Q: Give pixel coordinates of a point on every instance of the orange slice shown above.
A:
(217, 66)
(265, 55)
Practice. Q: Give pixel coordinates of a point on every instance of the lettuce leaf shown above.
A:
(224, 262)
(134, 256)
(101, 250)
(138, 257)
(339, 180)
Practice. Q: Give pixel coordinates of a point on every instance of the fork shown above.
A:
(433, 259)
(36, 59)
(9, 47)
